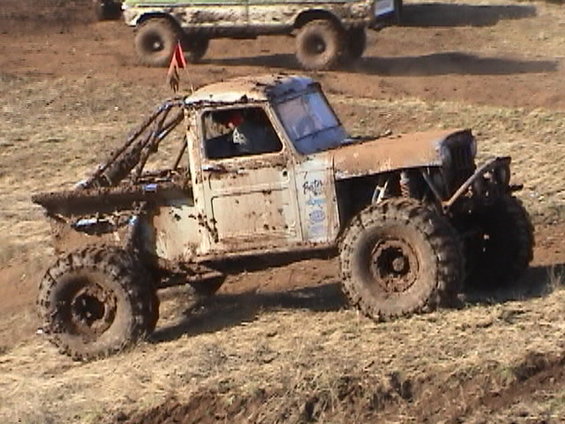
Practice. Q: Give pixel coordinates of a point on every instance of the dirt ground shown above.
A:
(280, 345)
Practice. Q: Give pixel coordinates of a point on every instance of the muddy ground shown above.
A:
(281, 345)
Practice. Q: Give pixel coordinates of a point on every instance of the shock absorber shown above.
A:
(404, 184)
(408, 184)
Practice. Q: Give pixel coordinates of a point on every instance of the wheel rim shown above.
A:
(394, 265)
(315, 45)
(92, 309)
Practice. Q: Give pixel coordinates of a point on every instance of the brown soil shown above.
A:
(445, 51)
(505, 55)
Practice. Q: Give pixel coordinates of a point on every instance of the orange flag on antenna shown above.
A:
(177, 62)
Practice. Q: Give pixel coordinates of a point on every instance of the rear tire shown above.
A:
(398, 258)
(319, 45)
(95, 302)
(155, 42)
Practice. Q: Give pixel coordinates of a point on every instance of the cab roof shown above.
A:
(250, 89)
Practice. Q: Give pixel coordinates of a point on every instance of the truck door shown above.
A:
(248, 181)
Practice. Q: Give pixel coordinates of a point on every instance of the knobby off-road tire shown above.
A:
(503, 250)
(95, 302)
(398, 258)
(194, 48)
(355, 45)
(155, 41)
(319, 45)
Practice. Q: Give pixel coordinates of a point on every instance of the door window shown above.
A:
(238, 132)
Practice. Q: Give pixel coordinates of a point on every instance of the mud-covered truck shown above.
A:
(264, 168)
(327, 32)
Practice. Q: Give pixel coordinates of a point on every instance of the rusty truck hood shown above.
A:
(387, 153)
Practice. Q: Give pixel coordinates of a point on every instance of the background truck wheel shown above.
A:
(356, 42)
(105, 10)
(503, 248)
(95, 302)
(155, 42)
(319, 45)
(194, 48)
(398, 258)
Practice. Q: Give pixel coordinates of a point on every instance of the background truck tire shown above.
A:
(503, 248)
(155, 41)
(399, 258)
(95, 302)
(319, 45)
(194, 48)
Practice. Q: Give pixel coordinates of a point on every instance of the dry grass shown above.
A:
(556, 277)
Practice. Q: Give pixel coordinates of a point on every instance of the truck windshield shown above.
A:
(311, 123)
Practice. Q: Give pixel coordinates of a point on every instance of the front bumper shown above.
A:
(487, 183)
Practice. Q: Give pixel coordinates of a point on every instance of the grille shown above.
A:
(462, 163)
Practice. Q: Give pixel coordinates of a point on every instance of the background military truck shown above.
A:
(263, 168)
(326, 31)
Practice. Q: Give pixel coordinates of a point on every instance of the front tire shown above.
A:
(398, 258)
(155, 42)
(502, 249)
(319, 45)
(95, 302)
